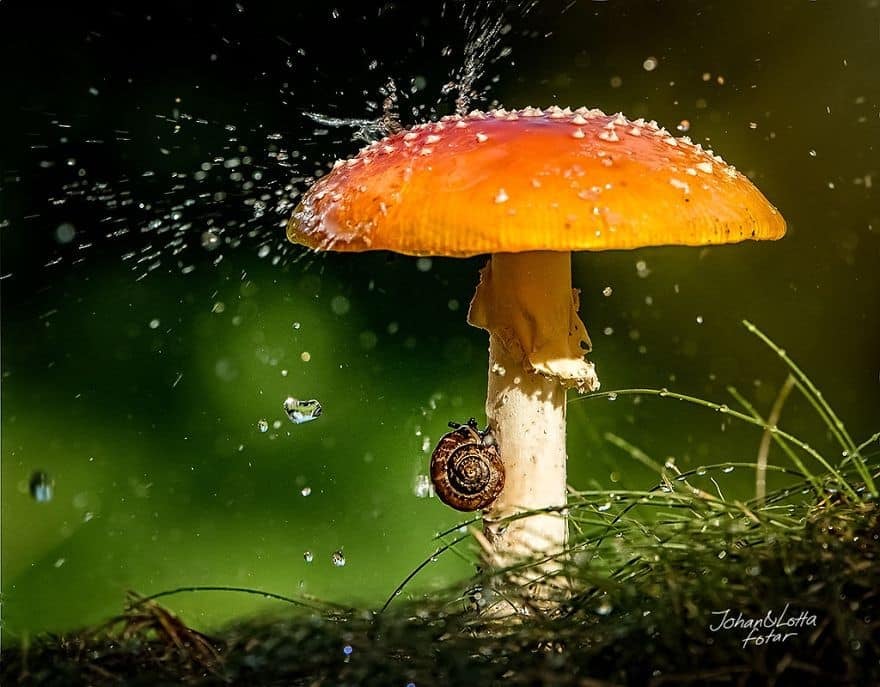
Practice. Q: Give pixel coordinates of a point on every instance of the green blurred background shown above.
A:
(141, 397)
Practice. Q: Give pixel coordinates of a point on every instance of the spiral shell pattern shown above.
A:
(466, 468)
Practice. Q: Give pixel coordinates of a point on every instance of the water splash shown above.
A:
(176, 211)
(485, 25)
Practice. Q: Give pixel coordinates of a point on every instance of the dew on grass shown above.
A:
(604, 608)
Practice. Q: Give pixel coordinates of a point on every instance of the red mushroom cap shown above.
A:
(531, 180)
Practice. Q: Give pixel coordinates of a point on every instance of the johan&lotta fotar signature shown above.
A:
(770, 628)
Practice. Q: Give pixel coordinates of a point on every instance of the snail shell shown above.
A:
(466, 468)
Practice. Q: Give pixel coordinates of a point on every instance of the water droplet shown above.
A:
(607, 291)
(154, 323)
(722, 554)
(65, 232)
(501, 196)
(340, 305)
(424, 264)
(612, 395)
(347, 649)
(41, 487)
(723, 408)
(308, 556)
(728, 469)
(338, 559)
(306, 491)
(263, 425)
(699, 319)
(701, 471)
(604, 608)
(423, 488)
(296, 325)
(210, 240)
(604, 507)
(300, 412)
(650, 64)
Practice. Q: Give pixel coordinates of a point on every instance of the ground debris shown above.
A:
(649, 624)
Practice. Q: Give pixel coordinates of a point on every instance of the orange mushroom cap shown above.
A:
(530, 180)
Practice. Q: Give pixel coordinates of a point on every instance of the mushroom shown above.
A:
(529, 187)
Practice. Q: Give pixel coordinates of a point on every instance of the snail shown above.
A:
(466, 467)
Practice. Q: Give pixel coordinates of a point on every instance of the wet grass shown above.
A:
(642, 593)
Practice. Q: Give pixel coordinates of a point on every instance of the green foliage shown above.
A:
(642, 590)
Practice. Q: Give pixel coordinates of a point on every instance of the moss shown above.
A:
(646, 622)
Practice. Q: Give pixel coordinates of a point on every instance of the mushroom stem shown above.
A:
(537, 344)
(526, 413)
